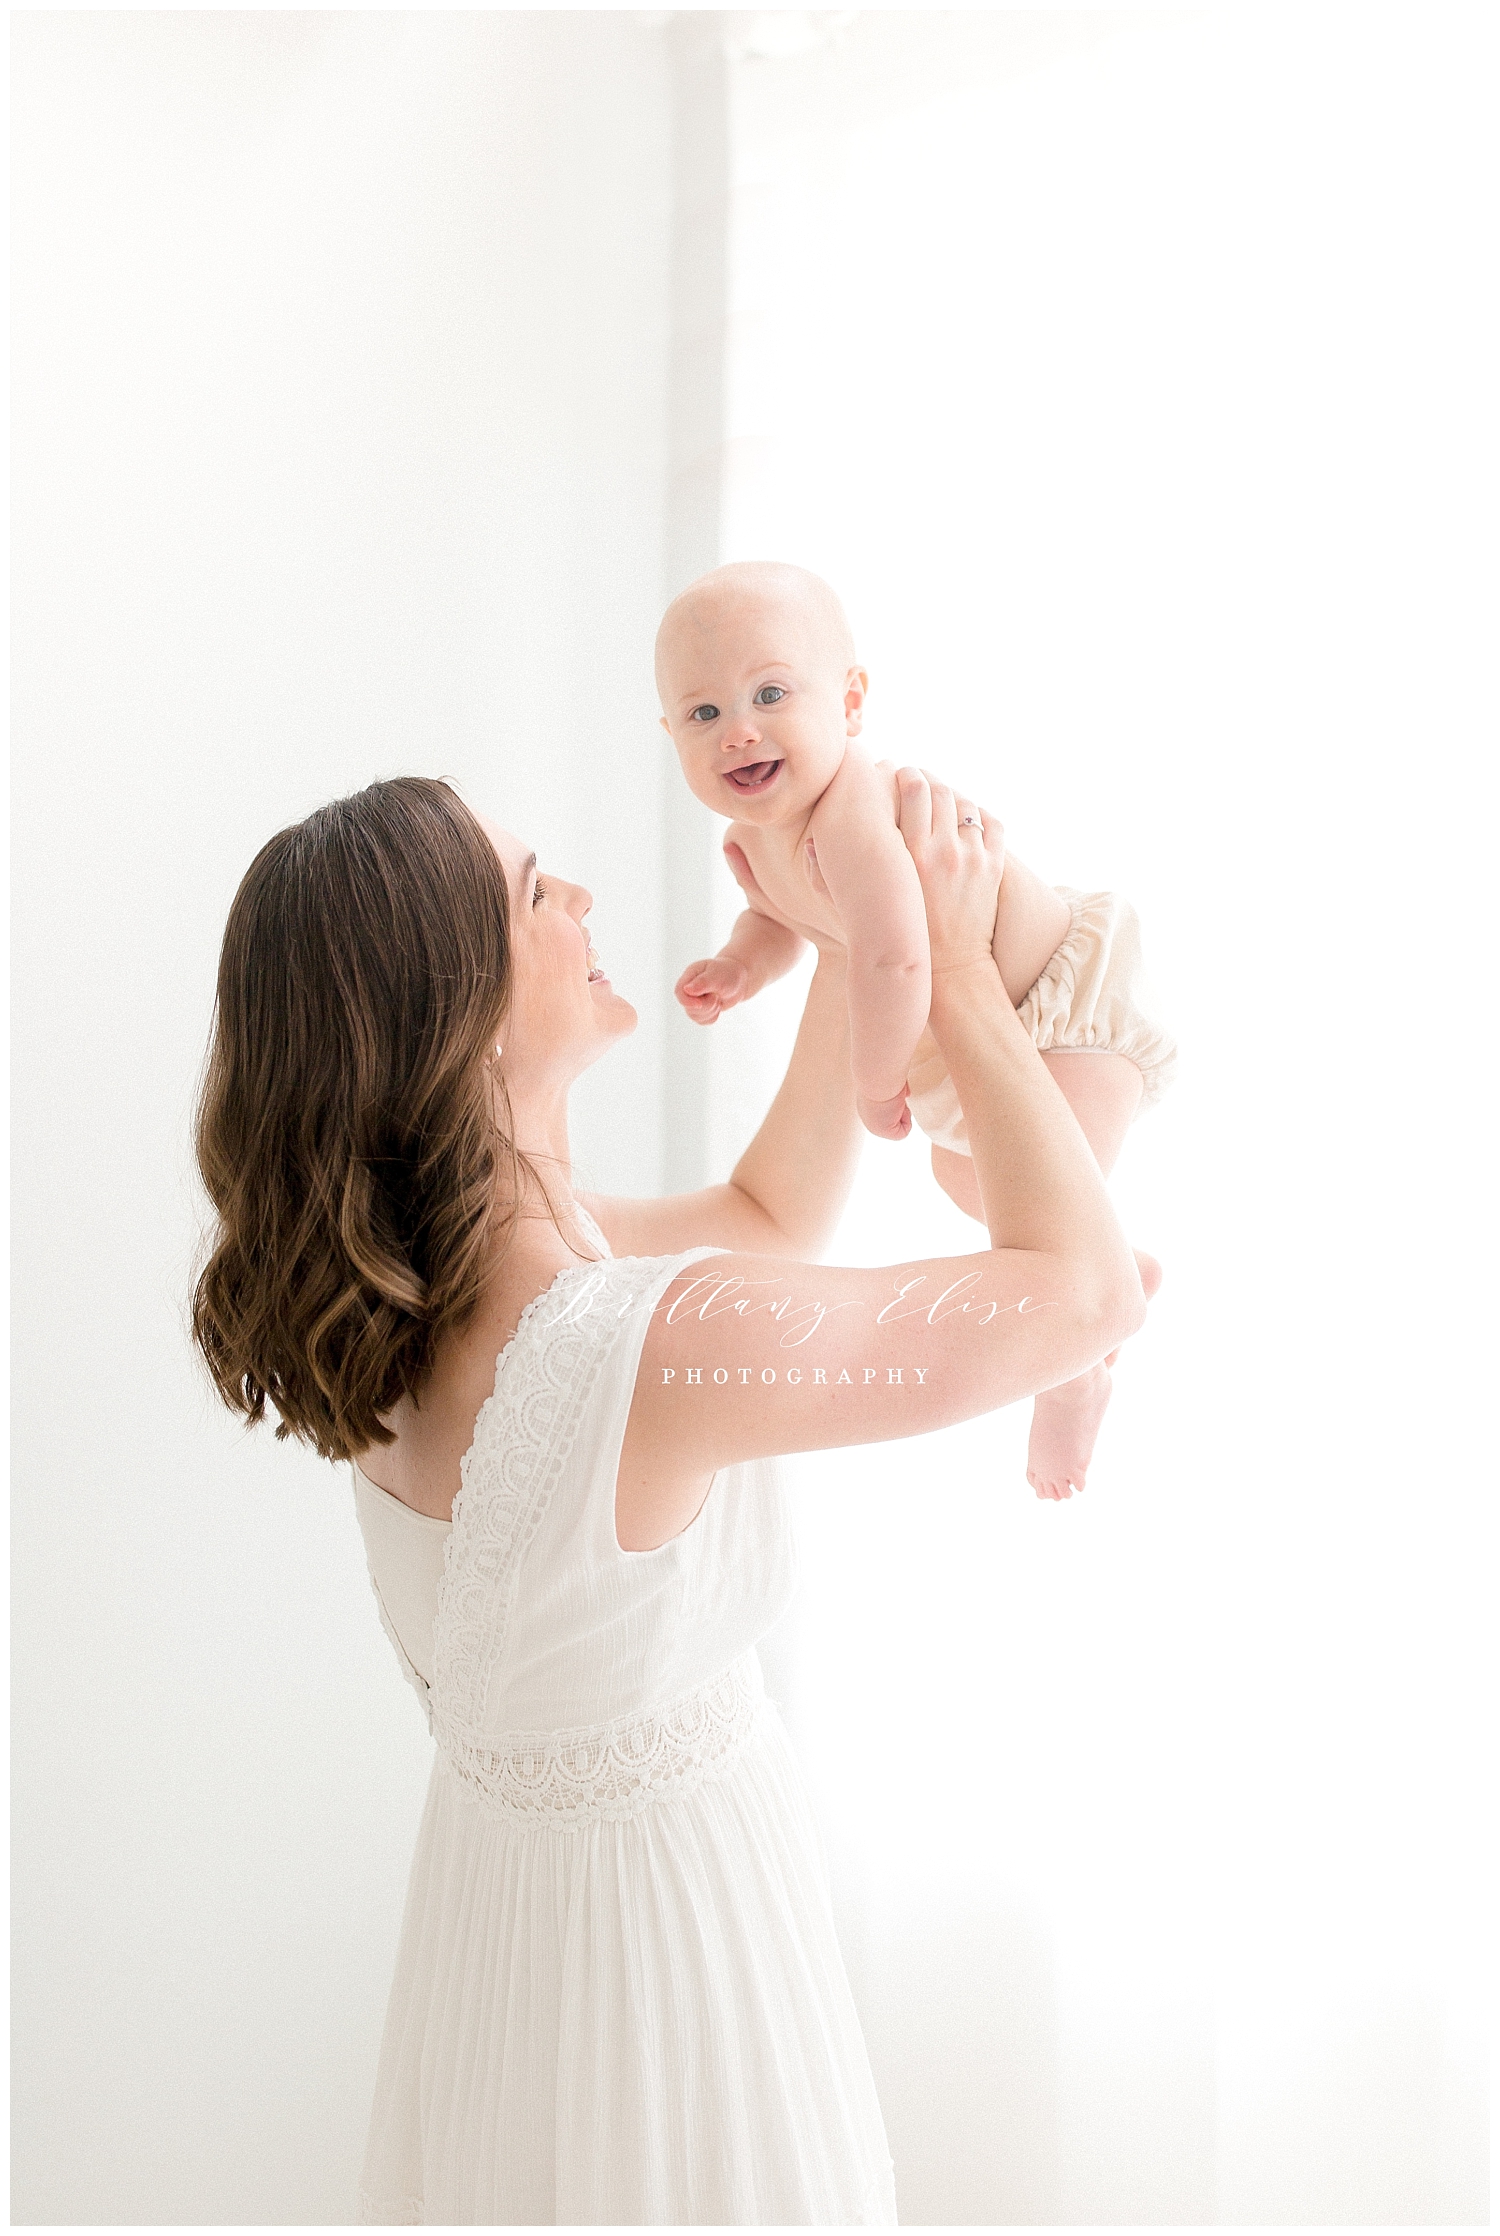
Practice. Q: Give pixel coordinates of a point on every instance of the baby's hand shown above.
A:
(890, 1121)
(707, 988)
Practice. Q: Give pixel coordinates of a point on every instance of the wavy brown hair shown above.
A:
(346, 1128)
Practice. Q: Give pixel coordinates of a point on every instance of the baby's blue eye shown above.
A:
(705, 714)
(776, 693)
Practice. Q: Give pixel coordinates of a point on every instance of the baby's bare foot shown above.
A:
(1064, 1424)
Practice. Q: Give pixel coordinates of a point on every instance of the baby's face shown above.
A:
(760, 702)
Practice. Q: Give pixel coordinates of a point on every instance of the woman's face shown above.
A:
(563, 1010)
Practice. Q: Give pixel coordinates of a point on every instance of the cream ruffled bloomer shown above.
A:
(1094, 994)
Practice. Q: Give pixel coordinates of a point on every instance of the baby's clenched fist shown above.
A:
(706, 988)
(890, 1121)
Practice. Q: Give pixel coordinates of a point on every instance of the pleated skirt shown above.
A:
(644, 2022)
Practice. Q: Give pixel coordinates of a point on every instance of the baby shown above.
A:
(763, 699)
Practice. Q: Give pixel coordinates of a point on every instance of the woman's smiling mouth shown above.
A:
(754, 776)
(595, 971)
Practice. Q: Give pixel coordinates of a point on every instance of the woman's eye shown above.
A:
(539, 893)
(768, 694)
(704, 714)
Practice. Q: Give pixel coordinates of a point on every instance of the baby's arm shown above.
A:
(859, 855)
(759, 950)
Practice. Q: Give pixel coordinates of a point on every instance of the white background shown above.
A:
(1125, 373)
(1134, 399)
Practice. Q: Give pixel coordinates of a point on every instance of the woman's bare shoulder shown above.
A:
(433, 1432)
(658, 1226)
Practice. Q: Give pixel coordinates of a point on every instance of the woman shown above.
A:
(618, 1997)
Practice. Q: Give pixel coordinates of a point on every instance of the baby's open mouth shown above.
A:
(754, 777)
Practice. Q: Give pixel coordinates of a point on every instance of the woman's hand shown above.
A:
(960, 865)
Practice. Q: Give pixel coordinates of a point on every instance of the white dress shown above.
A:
(618, 1997)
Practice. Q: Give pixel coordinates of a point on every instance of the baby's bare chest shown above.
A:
(779, 860)
(776, 858)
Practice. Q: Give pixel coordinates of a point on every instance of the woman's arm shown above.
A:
(1102, 1090)
(789, 1189)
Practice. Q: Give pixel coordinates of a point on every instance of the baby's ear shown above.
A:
(666, 725)
(854, 701)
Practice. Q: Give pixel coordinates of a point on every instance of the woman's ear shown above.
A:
(856, 686)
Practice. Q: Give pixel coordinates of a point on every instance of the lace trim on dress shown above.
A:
(613, 1770)
(523, 1438)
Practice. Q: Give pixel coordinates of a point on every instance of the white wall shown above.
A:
(340, 390)
(1129, 376)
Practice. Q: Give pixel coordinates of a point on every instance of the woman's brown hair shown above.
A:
(346, 1129)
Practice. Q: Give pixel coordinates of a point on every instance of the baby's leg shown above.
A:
(1031, 924)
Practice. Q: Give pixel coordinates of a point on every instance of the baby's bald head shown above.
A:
(759, 690)
(760, 595)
